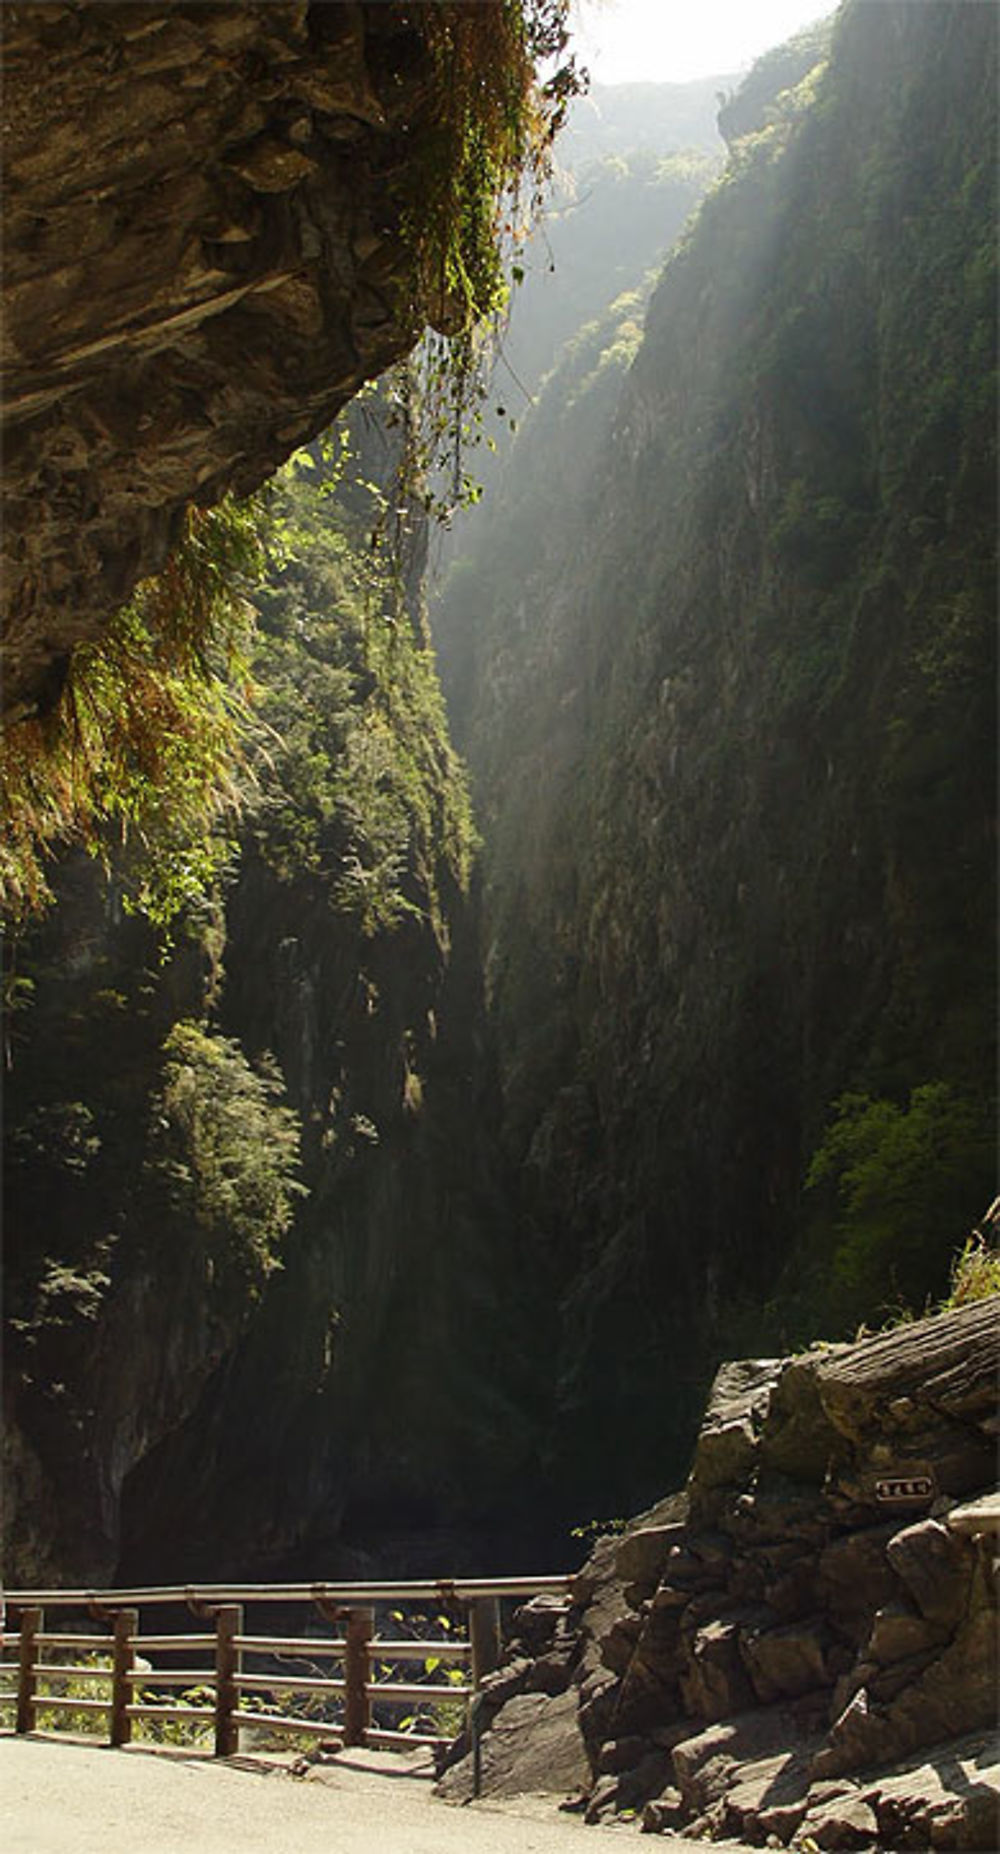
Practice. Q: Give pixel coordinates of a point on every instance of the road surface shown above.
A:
(63, 1798)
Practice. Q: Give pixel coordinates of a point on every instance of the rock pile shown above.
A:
(799, 1649)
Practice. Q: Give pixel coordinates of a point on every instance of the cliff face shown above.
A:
(202, 263)
(730, 725)
(176, 1402)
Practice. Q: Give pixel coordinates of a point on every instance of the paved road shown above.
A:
(61, 1798)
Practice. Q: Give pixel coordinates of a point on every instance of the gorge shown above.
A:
(397, 1208)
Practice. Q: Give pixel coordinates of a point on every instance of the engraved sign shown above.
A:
(904, 1488)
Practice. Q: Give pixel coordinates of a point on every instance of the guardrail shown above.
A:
(231, 1694)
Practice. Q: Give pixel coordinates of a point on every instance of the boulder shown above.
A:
(641, 1555)
(536, 1623)
(706, 1763)
(949, 1798)
(667, 1811)
(622, 1754)
(935, 1566)
(767, 1797)
(954, 1695)
(534, 1747)
(715, 1684)
(845, 1822)
(788, 1660)
(855, 1579)
(618, 1645)
(897, 1634)
(977, 1518)
(922, 1396)
(727, 1441)
(551, 1672)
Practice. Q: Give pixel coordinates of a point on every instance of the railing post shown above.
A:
(357, 1703)
(228, 1622)
(27, 1669)
(484, 1637)
(122, 1664)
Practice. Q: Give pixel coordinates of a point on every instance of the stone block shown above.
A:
(550, 1673)
(855, 1579)
(667, 1811)
(533, 1746)
(621, 1754)
(716, 1684)
(727, 1443)
(897, 1633)
(641, 1555)
(787, 1661)
(619, 1644)
(935, 1567)
(704, 1764)
(846, 1822)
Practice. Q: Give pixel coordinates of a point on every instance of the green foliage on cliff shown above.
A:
(493, 118)
(908, 1182)
(225, 1147)
(357, 783)
(142, 746)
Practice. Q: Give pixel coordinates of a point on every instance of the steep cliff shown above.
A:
(206, 1367)
(730, 729)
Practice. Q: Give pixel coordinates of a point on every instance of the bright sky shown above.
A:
(672, 41)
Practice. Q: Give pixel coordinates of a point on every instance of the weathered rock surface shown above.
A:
(534, 1748)
(810, 1655)
(202, 263)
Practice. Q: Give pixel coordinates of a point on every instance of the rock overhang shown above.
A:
(203, 261)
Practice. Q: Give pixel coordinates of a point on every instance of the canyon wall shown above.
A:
(721, 660)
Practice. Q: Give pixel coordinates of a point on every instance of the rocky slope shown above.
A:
(800, 1647)
(729, 717)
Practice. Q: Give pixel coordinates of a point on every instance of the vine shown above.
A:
(470, 193)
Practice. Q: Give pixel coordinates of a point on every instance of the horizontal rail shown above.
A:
(329, 1648)
(282, 1722)
(420, 1651)
(74, 1641)
(286, 1683)
(49, 1670)
(140, 1710)
(168, 1677)
(375, 1736)
(443, 1590)
(45, 1702)
(169, 1644)
(404, 1690)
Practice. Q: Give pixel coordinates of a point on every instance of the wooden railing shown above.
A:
(232, 1695)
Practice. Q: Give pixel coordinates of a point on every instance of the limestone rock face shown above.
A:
(202, 263)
